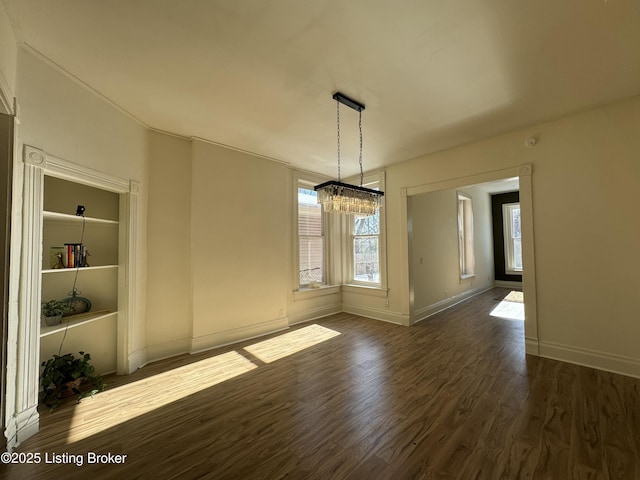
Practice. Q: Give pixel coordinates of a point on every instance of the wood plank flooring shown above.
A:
(453, 397)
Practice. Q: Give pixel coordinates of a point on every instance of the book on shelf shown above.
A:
(73, 255)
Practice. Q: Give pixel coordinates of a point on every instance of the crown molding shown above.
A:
(42, 57)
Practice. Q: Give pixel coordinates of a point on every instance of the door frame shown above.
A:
(524, 173)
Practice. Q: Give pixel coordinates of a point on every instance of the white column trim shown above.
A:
(37, 163)
(128, 358)
(28, 351)
(528, 259)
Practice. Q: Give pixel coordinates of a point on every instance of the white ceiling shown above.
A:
(500, 186)
(258, 75)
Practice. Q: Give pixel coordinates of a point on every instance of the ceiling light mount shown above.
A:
(349, 102)
(342, 197)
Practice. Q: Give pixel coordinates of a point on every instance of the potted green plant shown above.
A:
(53, 310)
(62, 376)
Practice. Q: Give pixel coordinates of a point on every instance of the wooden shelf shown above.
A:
(75, 321)
(81, 269)
(100, 232)
(64, 217)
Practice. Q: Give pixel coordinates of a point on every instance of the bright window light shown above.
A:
(366, 255)
(465, 236)
(310, 238)
(135, 399)
(512, 238)
(289, 343)
(511, 307)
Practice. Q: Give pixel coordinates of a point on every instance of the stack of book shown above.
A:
(72, 255)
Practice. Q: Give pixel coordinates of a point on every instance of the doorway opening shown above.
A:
(435, 279)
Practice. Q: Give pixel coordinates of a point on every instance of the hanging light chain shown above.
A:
(360, 127)
(341, 197)
(338, 123)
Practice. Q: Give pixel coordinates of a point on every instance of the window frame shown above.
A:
(308, 181)
(509, 249)
(466, 240)
(374, 180)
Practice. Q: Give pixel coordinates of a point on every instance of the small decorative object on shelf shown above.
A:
(60, 263)
(77, 304)
(63, 376)
(53, 310)
(57, 256)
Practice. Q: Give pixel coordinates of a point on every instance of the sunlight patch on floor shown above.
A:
(289, 343)
(511, 307)
(144, 396)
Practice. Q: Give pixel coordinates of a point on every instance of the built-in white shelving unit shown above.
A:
(96, 330)
(52, 190)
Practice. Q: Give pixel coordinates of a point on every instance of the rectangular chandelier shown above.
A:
(339, 197)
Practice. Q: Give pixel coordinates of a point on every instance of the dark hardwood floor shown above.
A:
(451, 397)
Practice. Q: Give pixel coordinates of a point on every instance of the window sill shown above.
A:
(365, 290)
(305, 293)
(467, 277)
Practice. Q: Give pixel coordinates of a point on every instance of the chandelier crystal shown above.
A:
(344, 198)
(339, 197)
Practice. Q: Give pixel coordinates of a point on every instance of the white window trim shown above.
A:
(508, 246)
(372, 291)
(309, 180)
(306, 293)
(465, 271)
(375, 179)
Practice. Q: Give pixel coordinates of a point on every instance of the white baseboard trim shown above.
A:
(531, 346)
(137, 359)
(608, 362)
(235, 335)
(310, 314)
(426, 312)
(167, 350)
(10, 433)
(377, 314)
(22, 426)
(506, 284)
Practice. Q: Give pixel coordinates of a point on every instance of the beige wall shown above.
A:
(169, 315)
(586, 175)
(434, 261)
(240, 238)
(8, 61)
(588, 231)
(66, 120)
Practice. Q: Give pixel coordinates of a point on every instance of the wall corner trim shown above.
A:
(34, 156)
(526, 169)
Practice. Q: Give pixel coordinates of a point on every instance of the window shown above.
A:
(310, 237)
(512, 238)
(465, 236)
(366, 248)
(364, 243)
